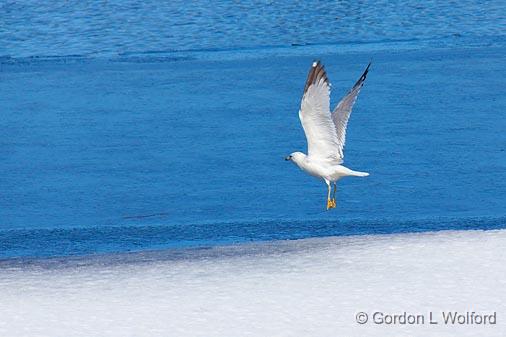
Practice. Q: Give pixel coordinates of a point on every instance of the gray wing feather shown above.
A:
(342, 112)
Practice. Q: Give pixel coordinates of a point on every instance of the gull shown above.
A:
(325, 131)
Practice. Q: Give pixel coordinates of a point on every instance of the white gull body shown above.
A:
(325, 131)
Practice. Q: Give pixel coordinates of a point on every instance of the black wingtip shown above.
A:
(362, 78)
(366, 71)
(316, 73)
(370, 62)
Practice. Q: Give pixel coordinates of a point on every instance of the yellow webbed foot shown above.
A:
(333, 201)
(329, 204)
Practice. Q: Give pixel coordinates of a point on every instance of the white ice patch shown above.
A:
(312, 287)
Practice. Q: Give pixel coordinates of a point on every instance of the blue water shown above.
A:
(36, 28)
(133, 126)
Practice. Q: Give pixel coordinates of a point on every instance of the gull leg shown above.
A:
(329, 202)
(334, 196)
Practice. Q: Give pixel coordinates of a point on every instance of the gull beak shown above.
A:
(288, 158)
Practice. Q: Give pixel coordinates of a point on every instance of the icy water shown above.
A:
(132, 126)
(35, 28)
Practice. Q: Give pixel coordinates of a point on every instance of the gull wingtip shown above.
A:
(367, 68)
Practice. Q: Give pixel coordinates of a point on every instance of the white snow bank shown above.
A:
(312, 287)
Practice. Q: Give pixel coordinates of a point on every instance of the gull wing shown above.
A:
(342, 112)
(314, 114)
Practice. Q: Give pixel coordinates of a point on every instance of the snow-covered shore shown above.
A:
(311, 287)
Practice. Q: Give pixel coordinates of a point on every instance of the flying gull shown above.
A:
(325, 131)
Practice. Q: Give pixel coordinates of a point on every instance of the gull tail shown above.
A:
(359, 174)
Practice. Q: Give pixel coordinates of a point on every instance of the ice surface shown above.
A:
(100, 143)
(310, 287)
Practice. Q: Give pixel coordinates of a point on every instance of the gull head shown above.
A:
(296, 157)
